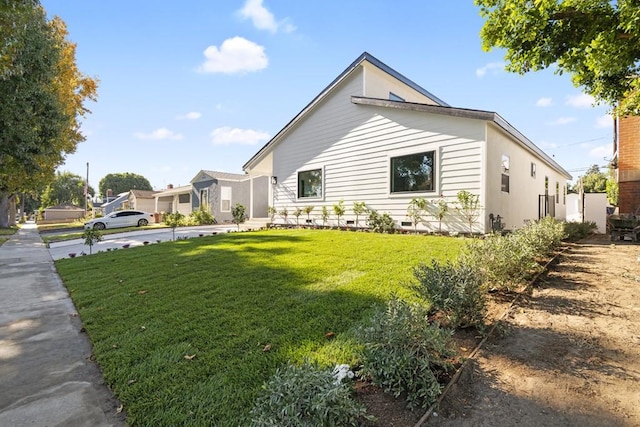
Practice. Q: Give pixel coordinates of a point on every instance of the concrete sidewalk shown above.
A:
(46, 377)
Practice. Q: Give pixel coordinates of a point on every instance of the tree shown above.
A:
(123, 182)
(91, 237)
(595, 41)
(468, 207)
(417, 208)
(174, 220)
(612, 188)
(339, 210)
(238, 214)
(297, 214)
(308, 209)
(594, 181)
(324, 214)
(43, 96)
(442, 208)
(359, 208)
(66, 189)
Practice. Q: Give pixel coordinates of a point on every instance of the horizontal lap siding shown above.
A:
(353, 144)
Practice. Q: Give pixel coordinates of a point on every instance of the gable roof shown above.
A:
(185, 189)
(222, 176)
(365, 56)
(143, 194)
(488, 116)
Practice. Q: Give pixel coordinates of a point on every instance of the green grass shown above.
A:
(223, 298)
(7, 232)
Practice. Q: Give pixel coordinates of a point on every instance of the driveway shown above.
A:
(133, 238)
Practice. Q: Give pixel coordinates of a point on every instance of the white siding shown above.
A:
(354, 143)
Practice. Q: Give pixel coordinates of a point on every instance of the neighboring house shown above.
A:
(63, 212)
(627, 158)
(218, 192)
(375, 136)
(173, 200)
(115, 204)
(142, 200)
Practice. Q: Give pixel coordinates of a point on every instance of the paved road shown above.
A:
(133, 238)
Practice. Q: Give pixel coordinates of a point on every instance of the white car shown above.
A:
(128, 218)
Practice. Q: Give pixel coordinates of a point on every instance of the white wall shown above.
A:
(378, 84)
(595, 209)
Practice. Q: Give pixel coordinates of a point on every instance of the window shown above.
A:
(413, 172)
(394, 97)
(505, 173)
(557, 192)
(310, 184)
(533, 170)
(204, 198)
(546, 185)
(225, 199)
(184, 198)
(564, 194)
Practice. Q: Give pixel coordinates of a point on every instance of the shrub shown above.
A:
(543, 236)
(454, 290)
(238, 214)
(503, 261)
(91, 236)
(173, 220)
(201, 217)
(404, 354)
(575, 231)
(381, 223)
(307, 395)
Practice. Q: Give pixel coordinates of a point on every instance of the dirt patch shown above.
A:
(566, 354)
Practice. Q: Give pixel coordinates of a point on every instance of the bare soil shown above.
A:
(567, 353)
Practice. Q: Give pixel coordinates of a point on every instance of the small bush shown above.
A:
(381, 223)
(575, 231)
(307, 395)
(543, 236)
(454, 290)
(503, 261)
(405, 354)
(200, 217)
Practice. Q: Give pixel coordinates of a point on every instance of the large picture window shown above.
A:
(310, 184)
(413, 172)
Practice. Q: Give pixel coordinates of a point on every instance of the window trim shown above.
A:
(322, 183)
(406, 153)
(222, 200)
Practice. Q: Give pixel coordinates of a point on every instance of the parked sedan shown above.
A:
(128, 218)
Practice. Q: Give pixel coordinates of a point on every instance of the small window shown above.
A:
(184, 198)
(413, 173)
(394, 97)
(557, 192)
(310, 184)
(533, 170)
(505, 174)
(546, 185)
(225, 199)
(564, 194)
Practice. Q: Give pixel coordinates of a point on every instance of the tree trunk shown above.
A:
(4, 210)
(12, 211)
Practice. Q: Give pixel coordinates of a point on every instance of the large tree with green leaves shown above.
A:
(66, 188)
(594, 181)
(596, 41)
(123, 182)
(42, 96)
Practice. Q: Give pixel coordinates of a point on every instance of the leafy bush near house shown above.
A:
(454, 290)
(575, 231)
(307, 395)
(381, 223)
(543, 236)
(405, 354)
(201, 217)
(503, 261)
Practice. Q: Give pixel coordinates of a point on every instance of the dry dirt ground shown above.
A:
(567, 352)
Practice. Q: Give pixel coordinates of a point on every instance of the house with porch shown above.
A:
(374, 136)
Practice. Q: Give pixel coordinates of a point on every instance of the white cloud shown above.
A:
(236, 55)
(494, 67)
(562, 121)
(544, 102)
(601, 152)
(227, 135)
(580, 101)
(263, 19)
(159, 134)
(193, 115)
(604, 122)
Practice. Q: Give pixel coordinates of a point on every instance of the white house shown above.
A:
(375, 136)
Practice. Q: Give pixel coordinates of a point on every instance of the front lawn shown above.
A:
(5, 233)
(59, 237)
(187, 332)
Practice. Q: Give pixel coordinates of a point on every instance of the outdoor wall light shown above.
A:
(274, 180)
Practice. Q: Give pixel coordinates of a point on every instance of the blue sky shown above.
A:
(203, 84)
